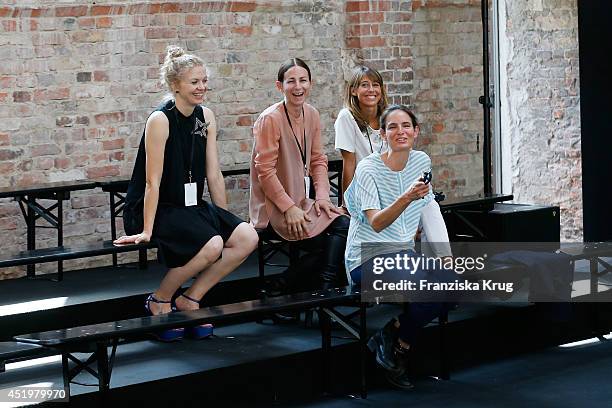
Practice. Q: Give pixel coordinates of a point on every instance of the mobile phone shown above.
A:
(426, 177)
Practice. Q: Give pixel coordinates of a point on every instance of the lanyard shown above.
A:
(370, 141)
(302, 152)
(193, 132)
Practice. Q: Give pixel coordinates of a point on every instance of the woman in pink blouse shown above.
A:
(289, 184)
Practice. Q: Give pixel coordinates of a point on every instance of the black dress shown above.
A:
(179, 231)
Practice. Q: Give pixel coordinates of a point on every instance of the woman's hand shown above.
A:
(296, 220)
(327, 207)
(417, 191)
(133, 239)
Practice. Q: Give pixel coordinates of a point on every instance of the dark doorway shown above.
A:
(595, 44)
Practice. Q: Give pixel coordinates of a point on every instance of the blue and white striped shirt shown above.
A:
(375, 187)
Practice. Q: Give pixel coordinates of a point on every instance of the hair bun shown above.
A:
(174, 51)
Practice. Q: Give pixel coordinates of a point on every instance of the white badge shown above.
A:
(307, 185)
(191, 194)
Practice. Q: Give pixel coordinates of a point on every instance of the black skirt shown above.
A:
(181, 232)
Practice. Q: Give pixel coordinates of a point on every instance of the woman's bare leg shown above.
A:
(177, 276)
(238, 247)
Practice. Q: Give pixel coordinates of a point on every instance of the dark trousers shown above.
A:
(417, 314)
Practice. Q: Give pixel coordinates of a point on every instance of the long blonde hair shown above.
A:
(352, 102)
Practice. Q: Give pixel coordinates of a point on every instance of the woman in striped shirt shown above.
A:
(385, 200)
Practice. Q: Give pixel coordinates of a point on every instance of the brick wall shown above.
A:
(447, 49)
(77, 82)
(543, 107)
(379, 34)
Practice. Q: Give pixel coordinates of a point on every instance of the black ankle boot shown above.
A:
(383, 344)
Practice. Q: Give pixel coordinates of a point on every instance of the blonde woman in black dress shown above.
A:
(164, 202)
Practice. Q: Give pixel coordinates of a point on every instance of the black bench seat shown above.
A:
(12, 351)
(96, 338)
(65, 252)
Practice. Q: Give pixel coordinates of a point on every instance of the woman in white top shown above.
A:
(357, 126)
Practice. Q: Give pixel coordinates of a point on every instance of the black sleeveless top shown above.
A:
(183, 132)
(180, 231)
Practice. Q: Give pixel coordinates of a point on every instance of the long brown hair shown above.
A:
(352, 102)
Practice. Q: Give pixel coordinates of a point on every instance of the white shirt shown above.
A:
(350, 138)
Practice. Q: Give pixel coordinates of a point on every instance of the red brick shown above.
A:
(87, 22)
(366, 17)
(437, 127)
(5, 11)
(77, 11)
(7, 167)
(111, 117)
(7, 82)
(193, 19)
(22, 96)
(4, 139)
(7, 154)
(104, 22)
(244, 121)
(383, 5)
(33, 25)
(62, 163)
(462, 70)
(245, 30)
(169, 8)
(100, 76)
(58, 94)
(44, 150)
(9, 25)
(365, 42)
(352, 6)
(242, 6)
(100, 10)
(105, 171)
(3, 96)
(99, 157)
(113, 144)
(154, 8)
(160, 32)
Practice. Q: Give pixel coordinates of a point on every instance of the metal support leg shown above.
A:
(60, 236)
(594, 275)
(66, 373)
(31, 233)
(325, 325)
(363, 352)
(444, 354)
(142, 259)
(113, 223)
(103, 367)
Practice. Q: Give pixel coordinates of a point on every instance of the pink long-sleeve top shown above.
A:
(277, 172)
